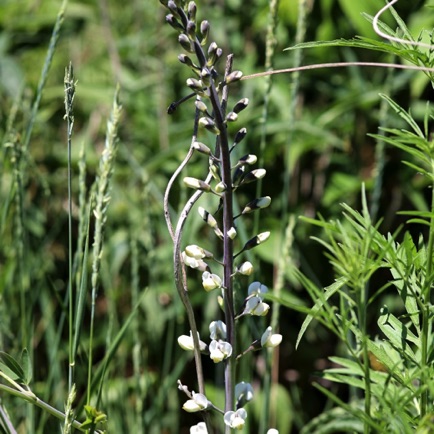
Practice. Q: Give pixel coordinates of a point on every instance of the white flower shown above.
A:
(268, 340)
(192, 262)
(219, 350)
(255, 306)
(236, 419)
(257, 288)
(187, 343)
(243, 393)
(195, 251)
(272, 431)
(211, 281)
(200, 428)
(197, 403)
(217, 330)
(246, 268)
(232, 233)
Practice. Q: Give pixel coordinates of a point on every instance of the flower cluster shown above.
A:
(226, 175)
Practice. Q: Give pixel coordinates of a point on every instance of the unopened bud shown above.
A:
(202, 148)
(255, 241)
(220, 187)
(207, 217)
(233, 77)
(232, 233)
(191, 30)
(209, 125)
(173, 7)
(191, 10)
(204, 30)
(231, 117)
(238, 175)
(195, 85)
(200, 105)
(170, 19)
(197, 184)
(205, 75)
(246, 268)
(241, 105)
(260, 203)
(214, 53)
(240, 135)
(183, 58)
(248, 159)
(254, 175)
(185, 42)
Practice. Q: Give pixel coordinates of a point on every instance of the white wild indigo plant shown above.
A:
(224, 178)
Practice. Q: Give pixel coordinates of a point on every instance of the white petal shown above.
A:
(186, 342)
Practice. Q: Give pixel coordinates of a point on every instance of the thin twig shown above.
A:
(336, 65)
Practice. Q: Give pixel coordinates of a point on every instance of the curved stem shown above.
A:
(179, 269)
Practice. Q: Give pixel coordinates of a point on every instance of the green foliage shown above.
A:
(395, 371)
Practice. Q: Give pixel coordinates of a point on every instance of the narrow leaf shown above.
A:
(328, 292)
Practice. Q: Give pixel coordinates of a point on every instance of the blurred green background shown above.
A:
(317, 153)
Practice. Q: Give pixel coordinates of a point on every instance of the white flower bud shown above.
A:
(232, 233)
(209, 124)
(220, 187)
(202, 148)
(197, 403)
(260, 203)
(211, 281)
(246, 268)
(187, 343)
(197, 184)
(195, 251)
(200, 428)
(231, 117)
(263, 237)
(270, 340)
(233, 76)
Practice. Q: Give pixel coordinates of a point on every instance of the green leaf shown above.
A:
(388, 357)
(328, 292)
(11, 367)
(398, 334)
(27, 367)
(404, 114)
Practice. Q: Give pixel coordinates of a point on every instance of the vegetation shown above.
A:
(90, 315)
